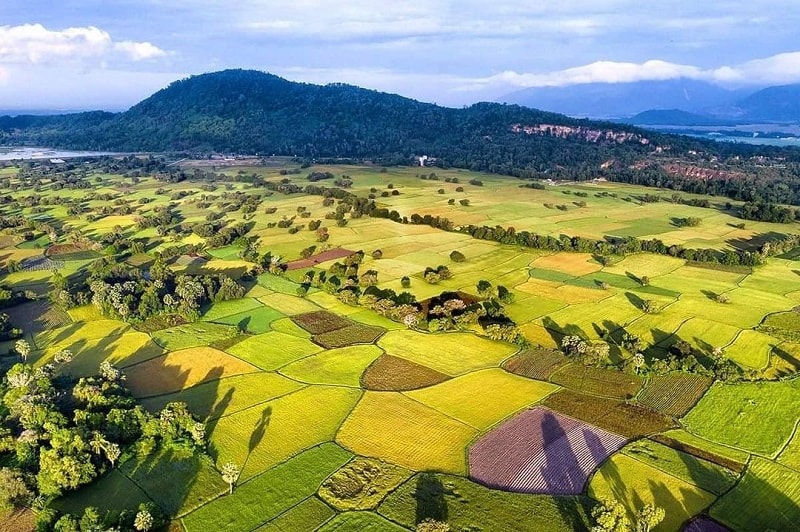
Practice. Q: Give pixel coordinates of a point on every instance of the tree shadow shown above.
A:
(634, 277)
(635, 300)
(709, 294)
(429, 495)
(557, 332)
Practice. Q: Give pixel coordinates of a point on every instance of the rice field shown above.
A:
(674, 394)
(389, 373)
(342, 366)
(396, 428)
(273, 350)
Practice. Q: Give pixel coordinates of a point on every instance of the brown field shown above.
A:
(182, 369)
(391, 373)
(535, 363)
(615, 416)
(576, 264)
(320, 321)
(352, 335)
(674, 394)
(599, 381)
(331, 254)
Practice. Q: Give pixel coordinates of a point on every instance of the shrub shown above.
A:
(464, 202)
(405, 282)
(457, 256)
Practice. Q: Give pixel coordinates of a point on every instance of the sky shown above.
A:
(109, 54)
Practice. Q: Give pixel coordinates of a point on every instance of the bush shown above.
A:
(457, 256)
(405, 282)
(464, 202)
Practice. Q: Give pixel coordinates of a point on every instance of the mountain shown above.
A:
(622, 100)
(773, 104)
(244, 111)
(674, 117)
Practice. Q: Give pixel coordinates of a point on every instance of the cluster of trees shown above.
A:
(435, 275)
(57, 434)
(125, 292)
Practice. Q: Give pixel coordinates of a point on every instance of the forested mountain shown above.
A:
(675, 117)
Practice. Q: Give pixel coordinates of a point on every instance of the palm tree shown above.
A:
(143, 521)
(113, 453)
(98, 443)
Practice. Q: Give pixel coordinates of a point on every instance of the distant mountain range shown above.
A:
(676, 102)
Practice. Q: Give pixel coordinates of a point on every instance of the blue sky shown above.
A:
(81, 54)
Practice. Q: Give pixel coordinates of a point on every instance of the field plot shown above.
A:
(541, 451)
(589, 320)
(111, 492)
(702, 473)
(598, 381)
(361, 484)
(124, 350)
(193, 335)
(566, 294)
(288, 304)
(751, 349)
(450, 353)
(389, 373)
(360, 522)
(771, 489)
(482, 398)
(214, 399)
(400, 430)
(308, 515)
(350, 335)
(729, 457)
(321, 321)
(634, 484)
(704, 524)
(227, 308)
(574, 264)
(256, 321)
(535, 363)
(37, 316)
(467, 505)
(267, 434)
(336, 366)
(758, 417)
(178, 484)
(705, 335)
(182, 369)
(615, 416)
(272, 350)
(76, 333)
(790, 456)
(673, 394)
(270, 494)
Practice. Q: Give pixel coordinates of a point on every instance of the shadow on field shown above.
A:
(557, 332)
(429, 495)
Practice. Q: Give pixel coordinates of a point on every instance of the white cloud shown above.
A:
(777, 69)
(33, 43)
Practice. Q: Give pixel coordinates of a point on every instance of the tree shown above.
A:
(649, 516)
(405, 282)
(644, 280)
(722, 298)
(457, 256)
(14, 492)
(23, 349)
(610, 516)
(485, 289)
(230, 474)
(143, 521)
(113, 452)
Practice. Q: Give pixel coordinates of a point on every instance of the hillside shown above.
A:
(676, 117)
(773, 104)
(253, 112)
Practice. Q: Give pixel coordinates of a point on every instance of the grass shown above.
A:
(482, 398)
(535, 363)
(598, 381)
(269, 433)
(360, 522)
(351, 335)
(783, 325)
(362, 484)
(392, 427)
(446, 352)
(790, 456)
(758, 417)
(224, 397)
(466, 505)
(336, 366)
(635, 483)
(270, 494)
(751, 349)
(182, 369)
(767, 498)
(618, 417)
(178, 484)
(257, 321)
(80, 332)
(307, 515)
(272, 350)
(702, 473)
(713, 449)
(391, 373)
(287, 326)
(288, 304)
(113, 492)
(227, 308)
(278, 284)
(193, 335)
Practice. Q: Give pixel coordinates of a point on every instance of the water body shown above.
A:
(763, 141)
(14, 153)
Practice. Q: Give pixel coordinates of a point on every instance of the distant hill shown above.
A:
(773, 104)
(245, 111)
(674, 117)
(622, 100)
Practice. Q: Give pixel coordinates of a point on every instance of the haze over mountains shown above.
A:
(708, 103)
